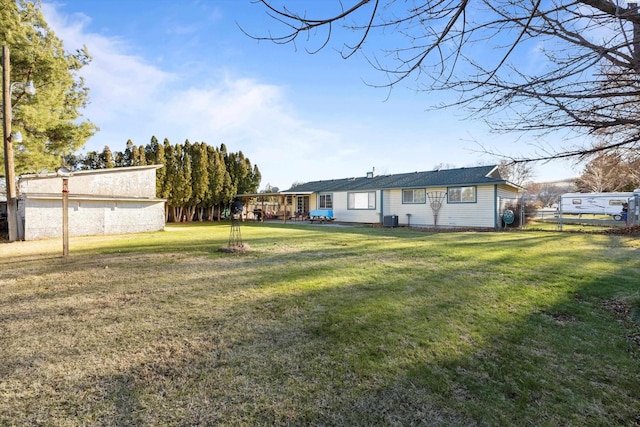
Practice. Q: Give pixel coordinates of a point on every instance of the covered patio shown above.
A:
(285, 206)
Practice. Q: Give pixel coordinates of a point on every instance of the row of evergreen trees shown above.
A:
(199, 181)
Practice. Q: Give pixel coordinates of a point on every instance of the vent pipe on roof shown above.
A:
(371, 174)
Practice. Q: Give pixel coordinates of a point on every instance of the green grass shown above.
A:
(321, 326)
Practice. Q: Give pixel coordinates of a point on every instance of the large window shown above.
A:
(366, 200)
(326, 201)
(461, 194)
(417, 195)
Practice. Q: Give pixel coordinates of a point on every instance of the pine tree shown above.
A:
(49, 120)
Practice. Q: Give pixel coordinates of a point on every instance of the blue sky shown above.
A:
(184, 70)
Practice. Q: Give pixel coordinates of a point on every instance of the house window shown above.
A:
(325, 202)
(461, 194)
(417, 195)
(366, 200)
(577, 201)
(616, 202)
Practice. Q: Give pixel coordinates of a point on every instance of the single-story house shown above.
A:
(103, 201)
(473, 197)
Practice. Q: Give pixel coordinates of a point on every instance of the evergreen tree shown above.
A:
(92, 161)
(229, 190)
(128, 158)
(216, 170)
(106, 158)
(151, 152)
(199, 178)
(118, 159)
(196, 180)
(181, 181)
(171, 172)
(49, 121)
(142, 156)
(237, 168)
(154, 153)
(74, 161)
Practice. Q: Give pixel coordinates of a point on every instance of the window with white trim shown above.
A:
(461, 194)
(325, 201)
(364, 200)
(416, 195)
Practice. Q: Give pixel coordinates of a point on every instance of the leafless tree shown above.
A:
(533, 66)
(609, 171)
(518, 173)
(548, 193)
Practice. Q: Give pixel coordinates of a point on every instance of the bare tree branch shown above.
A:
(588, 78)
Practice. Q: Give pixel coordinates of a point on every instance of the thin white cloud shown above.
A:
(119, 82)
(133, 99)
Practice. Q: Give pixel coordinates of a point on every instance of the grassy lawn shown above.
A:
(320, 325)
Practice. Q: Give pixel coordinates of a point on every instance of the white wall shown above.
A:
(106, 201)
(43, 216)
(342, 213)
(480, 214)
(137, 181)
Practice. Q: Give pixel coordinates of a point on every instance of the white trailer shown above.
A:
(594, 203)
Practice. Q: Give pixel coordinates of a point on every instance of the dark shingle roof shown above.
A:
(438, 178)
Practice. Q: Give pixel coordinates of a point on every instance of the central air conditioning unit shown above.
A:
(390, 221)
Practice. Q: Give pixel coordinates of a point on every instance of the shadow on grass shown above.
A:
(436, 329)
(365, 356)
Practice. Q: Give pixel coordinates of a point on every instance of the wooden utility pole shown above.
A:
(12, 200)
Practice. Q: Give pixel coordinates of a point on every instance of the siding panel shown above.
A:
(479, 214)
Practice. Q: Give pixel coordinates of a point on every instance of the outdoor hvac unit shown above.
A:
(390, 221)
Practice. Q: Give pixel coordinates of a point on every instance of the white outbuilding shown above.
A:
(103, 201)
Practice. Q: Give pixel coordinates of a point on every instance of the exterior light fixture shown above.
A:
(29, 88)
(16, 137)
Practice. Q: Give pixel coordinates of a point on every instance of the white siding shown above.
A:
(480, 214)
(507, 192)
(342, 213)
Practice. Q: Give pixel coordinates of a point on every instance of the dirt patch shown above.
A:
(628, 313)
(633, 230)
(619, 307)
(235, 249)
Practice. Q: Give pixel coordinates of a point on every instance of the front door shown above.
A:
(303, 204)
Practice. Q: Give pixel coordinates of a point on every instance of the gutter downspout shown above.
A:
(381, 206)
(496, 225)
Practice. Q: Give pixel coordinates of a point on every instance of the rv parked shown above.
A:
(594, 203)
